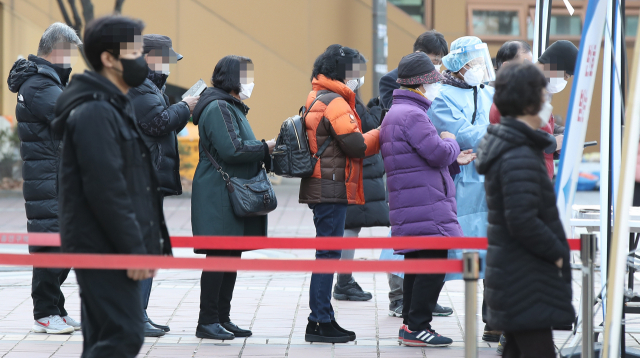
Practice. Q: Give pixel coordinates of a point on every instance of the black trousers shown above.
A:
(216, 291)
(421, 292)
(112, 323)
(529, 344)
(48, 299)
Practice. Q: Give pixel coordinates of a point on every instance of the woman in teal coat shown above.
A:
(226, 134)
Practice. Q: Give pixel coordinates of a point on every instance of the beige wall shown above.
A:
(283, 37)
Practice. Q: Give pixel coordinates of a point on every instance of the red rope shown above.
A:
(261, 242)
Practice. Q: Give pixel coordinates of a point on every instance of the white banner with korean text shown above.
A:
(579, 106)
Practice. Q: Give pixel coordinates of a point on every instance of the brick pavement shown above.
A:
(274, 306)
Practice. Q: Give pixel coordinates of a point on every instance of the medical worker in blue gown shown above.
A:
(462, 108)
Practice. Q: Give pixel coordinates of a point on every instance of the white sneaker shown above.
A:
(72, 322)
(51, 325)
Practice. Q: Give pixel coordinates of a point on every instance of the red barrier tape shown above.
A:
(260, 242)
(222, 264)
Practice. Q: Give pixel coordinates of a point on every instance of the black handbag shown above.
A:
(249, 197)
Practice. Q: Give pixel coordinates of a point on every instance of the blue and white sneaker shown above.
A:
(424, 338)
(401, 333)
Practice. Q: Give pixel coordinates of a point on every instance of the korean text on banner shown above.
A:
(579, 105)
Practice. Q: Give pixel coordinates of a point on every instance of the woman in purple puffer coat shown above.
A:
(422, 196)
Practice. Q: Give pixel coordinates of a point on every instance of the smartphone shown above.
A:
(590, 144)
(196, 89)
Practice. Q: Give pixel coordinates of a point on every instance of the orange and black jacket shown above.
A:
(337, 177)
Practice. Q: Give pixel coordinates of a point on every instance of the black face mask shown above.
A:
(134, 72)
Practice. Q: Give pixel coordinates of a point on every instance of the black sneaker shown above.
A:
(324, 333)
(424, 338)
(501, 344)
(395, 308)
(442, 311)
(350, 292)
(490, 335)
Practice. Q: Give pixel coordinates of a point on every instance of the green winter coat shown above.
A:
(227, 135)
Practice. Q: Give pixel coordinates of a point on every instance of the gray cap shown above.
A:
(161, 42)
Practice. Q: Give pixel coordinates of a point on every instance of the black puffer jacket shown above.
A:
(375, 211)
(109, 197)
(38, 84)
(160, 124)
(524, 289)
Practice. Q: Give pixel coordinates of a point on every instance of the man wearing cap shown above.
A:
(159, 123)
(462, 108)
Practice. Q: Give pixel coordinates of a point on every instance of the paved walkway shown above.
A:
(273, 305)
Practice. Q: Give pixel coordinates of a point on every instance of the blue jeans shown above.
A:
(329, 221)
(145, 292)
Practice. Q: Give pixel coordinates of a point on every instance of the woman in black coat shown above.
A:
(528, 278)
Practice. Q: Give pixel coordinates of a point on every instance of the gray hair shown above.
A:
(55, 34)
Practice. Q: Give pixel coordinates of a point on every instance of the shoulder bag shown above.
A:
(249, 197)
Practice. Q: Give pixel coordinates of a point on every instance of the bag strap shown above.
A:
(323, 147)
(326, 143)
(225, 176)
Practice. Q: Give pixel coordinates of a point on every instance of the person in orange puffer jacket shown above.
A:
(334, 131)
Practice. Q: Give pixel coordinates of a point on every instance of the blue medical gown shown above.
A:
(452, 111)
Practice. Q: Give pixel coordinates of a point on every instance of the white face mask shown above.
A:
(438, 67)
(545, 113)
(355, 84)
(556, 84)
(431, 91)
(245, 90)
(474, 76)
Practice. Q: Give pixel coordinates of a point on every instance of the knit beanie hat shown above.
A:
(563, 54)
(416, 69)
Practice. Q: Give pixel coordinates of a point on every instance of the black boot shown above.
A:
(237, 331)
(325, 333)
(213, 331)
(159, 326)
(151, 331)
(351, 334)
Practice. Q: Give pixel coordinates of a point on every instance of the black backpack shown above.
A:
(291, 157)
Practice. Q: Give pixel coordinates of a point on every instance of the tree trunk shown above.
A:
(87, 10)
(118, 7)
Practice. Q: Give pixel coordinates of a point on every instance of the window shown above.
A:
(565, 25)
(496, 23)
(561, 24)
(631, 28)
(414, 8)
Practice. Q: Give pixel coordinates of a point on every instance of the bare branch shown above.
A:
(87, 10)
(118, 7)
(65, 15)
(76, 16)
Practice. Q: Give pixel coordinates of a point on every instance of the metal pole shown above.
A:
(470, 273)
(587, 248)
(380, 44)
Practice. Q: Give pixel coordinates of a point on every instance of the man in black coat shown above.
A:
(39, 81)
(435, 46)
(528, 277)
(375, 211)
(159, 124)
(109, 199)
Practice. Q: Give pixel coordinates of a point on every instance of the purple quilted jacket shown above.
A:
(419, 166)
